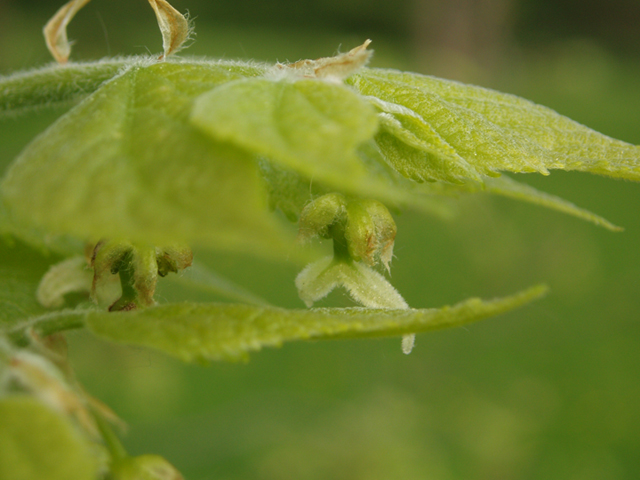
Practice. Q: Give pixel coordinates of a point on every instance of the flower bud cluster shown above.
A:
(363, 233)
(138, 268)
(363, 230)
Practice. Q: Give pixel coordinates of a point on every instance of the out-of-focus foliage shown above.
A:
(38, 442)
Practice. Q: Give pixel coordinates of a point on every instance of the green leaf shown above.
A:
(54, 85)
(36, 237)
(146, 162)
(288, 190)
(57, 84)
(197, 332)
(507, 187)
(21, 269)
(425, 197)
(126, 163)
(434, 129)
(312, 127)
(38, 443)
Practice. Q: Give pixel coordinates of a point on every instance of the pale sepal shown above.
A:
(69, 276)
(365, 285)
(55, 31)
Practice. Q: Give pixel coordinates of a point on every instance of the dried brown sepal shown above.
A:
(335, 68)
(173, 25)
(55, 31)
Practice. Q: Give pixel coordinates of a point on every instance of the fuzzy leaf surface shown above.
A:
(309, 126)
(165, 152)
(198, 332)
(126, 163)
(55, 84)
(21, 269)
(435, 129)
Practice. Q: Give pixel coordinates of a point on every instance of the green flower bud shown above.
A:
(173, 259)
(138, 268)
(370, 232)
(362, 230)
(318, 216)
(363, 233)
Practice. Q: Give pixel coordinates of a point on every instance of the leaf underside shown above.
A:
(138, 170)
(212, 331)
(197, 152)
(167, 152)
(435, 129)
(198, 332)
(20, 271)
(54, 85)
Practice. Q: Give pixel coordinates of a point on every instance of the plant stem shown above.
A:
(48, 324)
(111, 440)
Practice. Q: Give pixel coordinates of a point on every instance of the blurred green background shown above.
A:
(550, 391)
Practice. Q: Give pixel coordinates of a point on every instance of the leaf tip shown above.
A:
(534, 293)
(612, 227)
